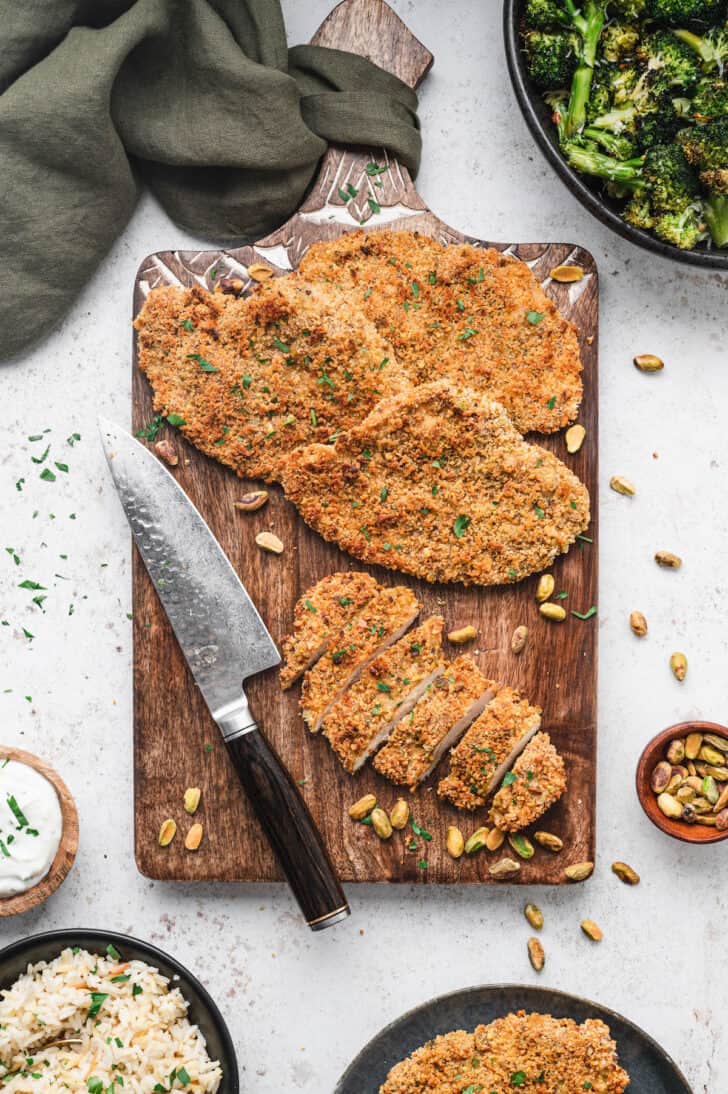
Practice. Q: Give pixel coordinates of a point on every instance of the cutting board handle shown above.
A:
(371, 29)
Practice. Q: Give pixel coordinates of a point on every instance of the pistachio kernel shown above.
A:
(554, 612)
(622, 485)
(536, 954)
(574, 438)
(679, 665)
(167, 832)
(638, 624)
(648, 362)
(363, 807)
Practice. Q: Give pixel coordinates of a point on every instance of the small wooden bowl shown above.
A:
(66, 853)
(652, 754)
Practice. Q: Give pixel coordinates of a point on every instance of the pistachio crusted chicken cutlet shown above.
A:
(380, 623)
(537, 781)
(447, 708)
(438, 483)
(322, 611)
(551, 1055)
(490, 746)
(386, 691)
(249, 380)
(464, 313)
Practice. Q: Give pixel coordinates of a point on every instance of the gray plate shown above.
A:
(650, 1069)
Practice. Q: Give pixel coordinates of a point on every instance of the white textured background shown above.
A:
(299, 1005)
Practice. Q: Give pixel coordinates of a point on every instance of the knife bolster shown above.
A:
(235, 719)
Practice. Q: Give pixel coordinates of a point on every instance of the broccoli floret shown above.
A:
(711, 48)
(684, 229)
(619, 40)
(685, 11)
(659, 124)
(638, 211)
(551, 58)
(670, 61)
(546, 15)
(600, 100)
(710, 101)
(631, 11)
(706, 146)
(671, 181)
(715, 180)
(621, 146)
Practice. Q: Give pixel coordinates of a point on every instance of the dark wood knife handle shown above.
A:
(291, 832)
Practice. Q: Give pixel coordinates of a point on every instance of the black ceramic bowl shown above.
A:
(202, 1011)
(588, 191)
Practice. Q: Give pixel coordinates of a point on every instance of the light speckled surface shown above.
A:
(300, 1005)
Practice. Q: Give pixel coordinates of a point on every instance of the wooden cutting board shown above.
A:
(177, 744)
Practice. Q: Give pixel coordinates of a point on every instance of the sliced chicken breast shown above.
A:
(536, 781)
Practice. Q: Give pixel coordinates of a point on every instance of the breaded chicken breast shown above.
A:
(444, 712)
(386, 691)
(537, 780)
(464, 313)
(249, 380)
(552, 1055)
(380, 623)
(438, 483)
(319, 614)
(488, 749)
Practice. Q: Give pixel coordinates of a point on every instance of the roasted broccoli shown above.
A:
(711, 48)
(716, 216)
(551, 59)
(671, 63)
(710, 101)
(684, 229)
(706, 146)
(590, 162)
(619, 40)
(678, 12)
(670, 180)
(658, 124)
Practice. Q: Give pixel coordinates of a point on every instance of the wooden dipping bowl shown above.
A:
(66, 853)
(651, 756)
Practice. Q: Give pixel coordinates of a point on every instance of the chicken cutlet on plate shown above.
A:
(438, 483)
(552, 1055)
(538, 779)
(385, 692)
(488, 749)
(322, 610)
(463, 313)
(444, 712)
(249, 380)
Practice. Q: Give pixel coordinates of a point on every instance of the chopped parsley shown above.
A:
(381, 686)
(418, 831)
(373, 169)
(374, 205)
(112, 952)
(383, 493)
(205, 365)
(469, 332)
(187, 324)
(460, 525)
(311, 607)
(535, 317)
(586, 615)
(98, 998)
(551, 402)
(281, 346)
(509, 778)
(518, 1078)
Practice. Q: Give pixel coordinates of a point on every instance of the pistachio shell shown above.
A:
(536, 954)
(648, 362)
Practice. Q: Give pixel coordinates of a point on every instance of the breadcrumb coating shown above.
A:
(438, 483)
(381, 622)
(252, 379)
(475, 763)
(419, 740)
(550, 1055)
(386, 690)
(464, 313)
(322, 610)
(538, 779)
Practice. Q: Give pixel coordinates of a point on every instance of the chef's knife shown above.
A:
(224, 641)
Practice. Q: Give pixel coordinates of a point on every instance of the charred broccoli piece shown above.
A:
(710, 101)
(546, 15)
(671, 182)
(706, 146)
(638, 211)
(551, 59)
(677, 12)
(684, 229)
(629, 10)
(711, 48)
(619, 40)
(659, 124)
(671, 62)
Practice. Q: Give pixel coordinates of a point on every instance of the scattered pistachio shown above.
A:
(521, 845)
(256, 499)
(193, 839)
(625, 873)
(476, 841)
(638, 623)
(192, 799)
(668, 560)
(554, 612)
(166, 450)
(676, 751)
(463, 635)
(534, 915)
(495, 839)
(519, 639)
(381, 823)
(574, 438)
(259, 271)
(679, 665)
(549, 841)
(399, 814)
(536, 954)
(567, 274)
(693, 744)
(622, 485)
(506, 867)
(233, 286)
(648, 362)
(545, 587)
(455, 842)
(591, 930)
(167, 832)
(580, 871)
(268, 542)
(362, 808)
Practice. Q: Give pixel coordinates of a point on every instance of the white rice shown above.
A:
(138, 1041)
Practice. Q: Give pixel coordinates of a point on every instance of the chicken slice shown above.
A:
(538, 779)
(381, 622)
(444, 712)
(438, 483)
(386, 692)
(322, 611)
(488, 749)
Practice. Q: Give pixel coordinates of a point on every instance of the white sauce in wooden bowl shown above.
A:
(30, 827)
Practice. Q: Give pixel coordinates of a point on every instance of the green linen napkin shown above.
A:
(199, 99)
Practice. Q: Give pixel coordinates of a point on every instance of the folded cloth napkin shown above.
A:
(199, 99)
